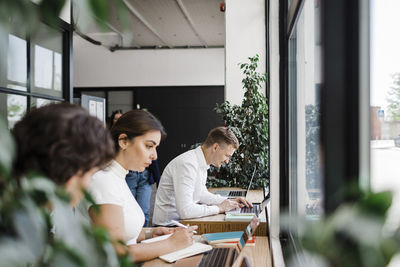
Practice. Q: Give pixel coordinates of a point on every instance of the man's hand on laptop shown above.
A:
(227, 205)
(242, 202)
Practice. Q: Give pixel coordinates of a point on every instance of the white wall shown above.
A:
(274, 131)
(245, 37)
(65, 13)
(96, 66)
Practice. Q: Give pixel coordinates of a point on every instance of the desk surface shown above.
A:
(257, 254)
(217, 223)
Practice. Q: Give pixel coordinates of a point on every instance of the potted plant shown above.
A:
(249, 122)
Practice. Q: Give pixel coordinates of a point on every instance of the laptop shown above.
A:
(222, 256)
(255, 210)
(236, 193)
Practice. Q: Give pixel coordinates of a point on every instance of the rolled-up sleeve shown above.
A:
(184, 186)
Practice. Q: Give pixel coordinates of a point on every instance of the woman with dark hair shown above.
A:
(136, 135)
(115, 115)
(63, 142)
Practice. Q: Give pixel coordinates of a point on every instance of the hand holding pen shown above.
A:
(193, 227)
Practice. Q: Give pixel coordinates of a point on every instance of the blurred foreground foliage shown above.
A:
(355, 234)
(39, 228)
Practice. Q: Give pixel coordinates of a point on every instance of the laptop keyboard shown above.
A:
(237, 193)
(255, 209)
(216, 258)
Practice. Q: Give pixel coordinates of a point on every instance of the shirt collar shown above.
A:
(118, 169)
(201, 158)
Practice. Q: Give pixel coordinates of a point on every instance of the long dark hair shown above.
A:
(59, 140)
(115, 112)
(135, 123)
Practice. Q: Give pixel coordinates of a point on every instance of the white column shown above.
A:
(244, 37)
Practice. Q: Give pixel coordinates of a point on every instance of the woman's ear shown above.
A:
(123, 141)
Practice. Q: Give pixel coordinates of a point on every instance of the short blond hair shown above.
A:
(221, 135)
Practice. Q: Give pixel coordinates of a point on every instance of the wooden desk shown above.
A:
(258, 255)
(217, 223)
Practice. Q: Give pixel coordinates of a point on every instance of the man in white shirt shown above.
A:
(182, 193)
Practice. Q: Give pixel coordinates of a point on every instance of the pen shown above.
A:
(181, 225)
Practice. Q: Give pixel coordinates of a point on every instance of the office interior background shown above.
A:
(333, 86)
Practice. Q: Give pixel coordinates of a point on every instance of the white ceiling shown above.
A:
(157, 24)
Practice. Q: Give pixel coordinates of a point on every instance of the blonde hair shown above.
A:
(221, 135)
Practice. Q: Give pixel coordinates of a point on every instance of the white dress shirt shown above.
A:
(108, 186)
(182, 193)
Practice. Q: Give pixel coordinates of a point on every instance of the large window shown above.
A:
(305, 180)
(322, 74)
(34, 70)
(385, 101)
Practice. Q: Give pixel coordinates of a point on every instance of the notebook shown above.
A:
(194, 249)
(232, 217)
(236, 193)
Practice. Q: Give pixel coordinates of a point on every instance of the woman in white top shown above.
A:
(136, 134)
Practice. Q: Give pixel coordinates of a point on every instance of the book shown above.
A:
(250, 242)
(194, 249)
(238, 218)
(215, 238)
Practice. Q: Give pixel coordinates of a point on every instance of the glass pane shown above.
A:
(305, 80)
(12, 108)
(46, 51)
(13, 49)
(120, 100)
(40, 102)
(385, 102)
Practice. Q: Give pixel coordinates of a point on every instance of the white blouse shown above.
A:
(108, 186)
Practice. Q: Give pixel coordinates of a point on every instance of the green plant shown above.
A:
(312, 145)
(393, 98)
(39, 228)
(249, 122)
(26, 15)
(353, 235)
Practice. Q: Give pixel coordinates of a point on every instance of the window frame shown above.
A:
(67, 90)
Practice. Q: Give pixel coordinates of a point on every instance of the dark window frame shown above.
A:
(67, 89)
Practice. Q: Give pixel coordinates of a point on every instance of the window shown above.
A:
(46, 51)
(305, 180)
(32, 68)
(385, 101)
(14, 106)
(321, 83)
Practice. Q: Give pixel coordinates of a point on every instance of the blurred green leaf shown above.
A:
(7, 153)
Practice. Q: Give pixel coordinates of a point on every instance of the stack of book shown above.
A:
(226, 238)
